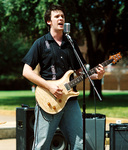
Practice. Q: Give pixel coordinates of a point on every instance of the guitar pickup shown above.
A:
(53, 96)
(67, 86)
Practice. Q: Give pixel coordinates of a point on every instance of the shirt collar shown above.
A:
(50, 38)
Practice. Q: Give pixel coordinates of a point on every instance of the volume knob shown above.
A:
(54, 107)
(49, 104)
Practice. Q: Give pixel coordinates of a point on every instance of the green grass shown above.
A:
(9, 100)
(114, 103)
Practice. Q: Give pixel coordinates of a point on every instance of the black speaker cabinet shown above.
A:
(24, 128)
(118, 136)
(95, 131)
(25, 133)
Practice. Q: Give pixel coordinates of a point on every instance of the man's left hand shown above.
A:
(100, 72)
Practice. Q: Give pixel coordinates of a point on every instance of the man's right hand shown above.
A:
(56, 91)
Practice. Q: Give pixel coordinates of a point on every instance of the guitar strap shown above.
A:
(53, 70)
(53, 66)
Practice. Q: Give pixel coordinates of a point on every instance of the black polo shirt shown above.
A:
(54, 60)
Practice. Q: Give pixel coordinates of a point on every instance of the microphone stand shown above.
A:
(84, 71)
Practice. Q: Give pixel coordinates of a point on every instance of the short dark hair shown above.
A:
(47, 16)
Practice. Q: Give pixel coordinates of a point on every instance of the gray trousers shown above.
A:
(69, 120)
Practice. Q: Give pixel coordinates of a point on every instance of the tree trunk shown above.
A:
(98, 57)
(97, 84)
(95, 54)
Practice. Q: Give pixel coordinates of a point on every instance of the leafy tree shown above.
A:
(22, 22)
(103, 23)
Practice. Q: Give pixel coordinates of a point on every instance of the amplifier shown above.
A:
(118, 136)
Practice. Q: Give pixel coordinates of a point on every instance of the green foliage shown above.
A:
(22, 22)
(102, 22)
(11, 52)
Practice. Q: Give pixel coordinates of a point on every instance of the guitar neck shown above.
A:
(77, 80)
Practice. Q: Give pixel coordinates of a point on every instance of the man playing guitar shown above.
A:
(55, 55)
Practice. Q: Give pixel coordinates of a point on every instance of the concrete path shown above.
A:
(7, 130)
(8, 144)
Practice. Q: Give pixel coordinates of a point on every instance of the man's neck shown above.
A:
(57, 36)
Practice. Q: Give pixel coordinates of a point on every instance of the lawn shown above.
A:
(114, 103)
(9, 100)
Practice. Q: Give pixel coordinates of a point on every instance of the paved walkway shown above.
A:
(7, 130)
(8, 144)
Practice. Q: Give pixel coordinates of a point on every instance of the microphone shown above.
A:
(67, 28)
(67, 31)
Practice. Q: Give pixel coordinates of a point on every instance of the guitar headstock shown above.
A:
(115, 57)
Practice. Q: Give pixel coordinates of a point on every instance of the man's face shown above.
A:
(57, 20)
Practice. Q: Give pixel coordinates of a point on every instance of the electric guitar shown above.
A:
(51, 104)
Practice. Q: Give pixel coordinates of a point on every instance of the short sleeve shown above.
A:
(32, 57)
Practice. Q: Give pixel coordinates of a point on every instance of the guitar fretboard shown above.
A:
(77, 80)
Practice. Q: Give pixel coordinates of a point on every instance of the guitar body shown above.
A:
(48, 102)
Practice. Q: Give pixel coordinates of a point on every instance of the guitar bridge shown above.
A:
(67, 86)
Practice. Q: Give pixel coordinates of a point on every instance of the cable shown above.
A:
(33, 147)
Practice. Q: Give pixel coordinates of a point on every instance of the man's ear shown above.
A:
(49, 23)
